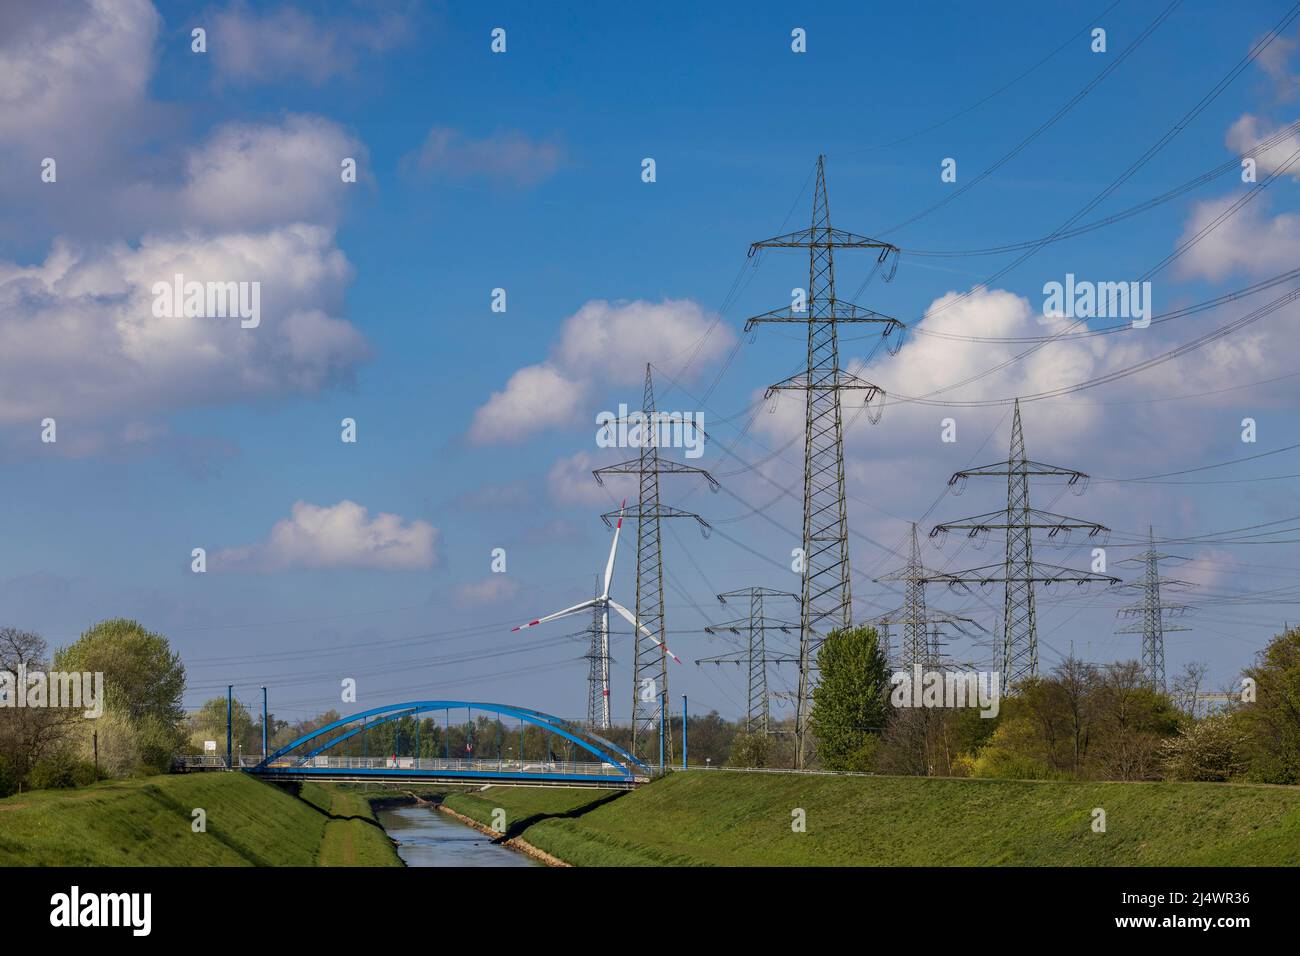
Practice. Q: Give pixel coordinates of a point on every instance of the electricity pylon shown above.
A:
(825, 602)
(755, 655)
(1019, 572)
(650, 662)
(1151, 609)
(920, 638)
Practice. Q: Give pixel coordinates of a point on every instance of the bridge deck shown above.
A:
(427, 770)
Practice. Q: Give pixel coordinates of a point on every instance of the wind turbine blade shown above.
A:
(613, 548)
(558, 614)
(631, 619)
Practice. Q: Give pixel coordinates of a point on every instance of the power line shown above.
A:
(1000, 90)
(1047, 124)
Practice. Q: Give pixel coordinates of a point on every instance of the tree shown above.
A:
(1187, 687)
(209, 723)
(1209, 749)
(1132, 720)
(29, 735)
(851, 702)
(749, 750)
(709, 739)
(1015, 751)
(143, 683)
(1076, 695)
(1272, 721)
(142, 675)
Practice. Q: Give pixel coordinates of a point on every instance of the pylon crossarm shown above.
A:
(1042, 574)
(665, 466)
(1134, 610)
(841, 381)
(1146, 556)
(840, 310)
(764, 592)
(1163, 583)
(1033, 469)
(824, 237)
(736, 657)
(899, 616)
(657, 511)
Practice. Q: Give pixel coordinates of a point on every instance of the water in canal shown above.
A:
(428, 837)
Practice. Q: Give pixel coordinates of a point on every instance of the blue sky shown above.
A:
(522, 171)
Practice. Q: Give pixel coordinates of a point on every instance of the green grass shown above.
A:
(147, 822)
(739, 819)
(353, 836)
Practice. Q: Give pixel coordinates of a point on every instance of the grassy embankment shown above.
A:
(739, 819)
(696, 818)
(148, 822)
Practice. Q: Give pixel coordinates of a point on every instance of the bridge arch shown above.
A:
(604, 750)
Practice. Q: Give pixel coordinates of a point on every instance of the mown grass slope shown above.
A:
(742, 819)
(149, 822)
(353, 836)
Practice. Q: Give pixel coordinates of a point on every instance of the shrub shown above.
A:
(1210, 749)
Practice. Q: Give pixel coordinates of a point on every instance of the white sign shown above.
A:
(209, 746)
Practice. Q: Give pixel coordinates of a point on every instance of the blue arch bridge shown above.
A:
(568, 755)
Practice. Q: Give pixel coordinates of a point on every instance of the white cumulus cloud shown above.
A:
(338, 536)
(602, 344)
(79, 337)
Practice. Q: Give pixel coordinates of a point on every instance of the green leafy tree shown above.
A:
(1271, 721)
(143, 676)
(143, 725)
(1131, 722)
(850, 704)
(209, 723)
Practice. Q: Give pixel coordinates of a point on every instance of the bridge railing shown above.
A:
(209, 761)
(426, 764)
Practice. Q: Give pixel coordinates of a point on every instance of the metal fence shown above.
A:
(428, 764)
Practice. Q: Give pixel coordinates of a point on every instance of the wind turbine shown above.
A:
(604, 604)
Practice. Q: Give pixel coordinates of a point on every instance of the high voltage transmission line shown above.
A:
(1231, 166)
(1165, 139)
(650, 660)
(1019, 572)
(826, 599)
(920, 637)
(997, 92)
(1031, 248)
(1151, 611)
(1043, 127)
(755, 656)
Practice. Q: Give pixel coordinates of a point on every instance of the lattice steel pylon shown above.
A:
(826, 600)
(755, 657)
(650, 662)
(1152, 610)
(1019, 572)
(598, 667)
(921, 639)
(921, 636)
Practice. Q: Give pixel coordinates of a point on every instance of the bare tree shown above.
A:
(28, 733)
(1188, 686)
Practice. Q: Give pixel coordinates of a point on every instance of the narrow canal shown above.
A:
(428, 837)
